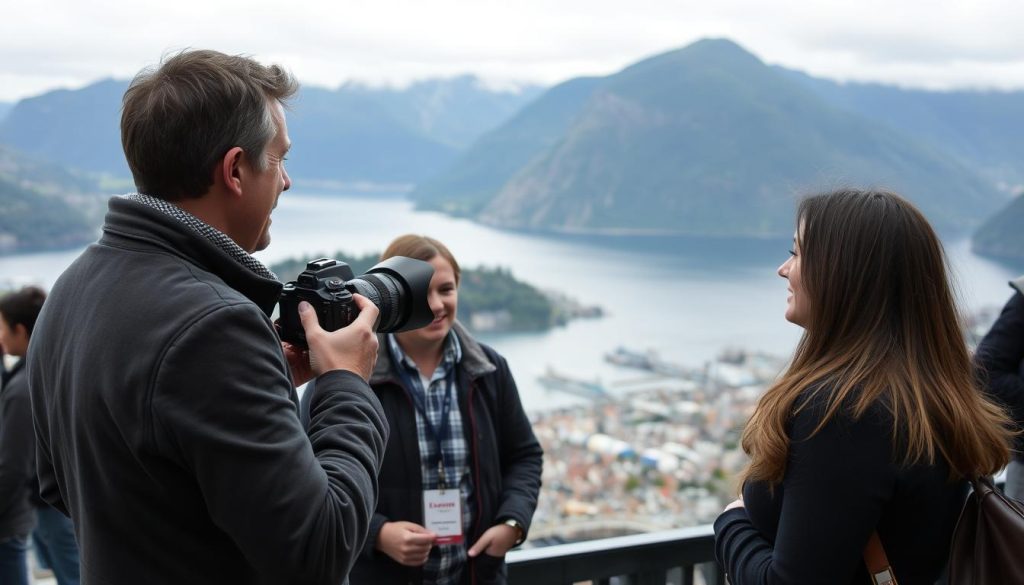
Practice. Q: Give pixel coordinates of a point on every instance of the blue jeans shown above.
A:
(54, 538)
(14, 561)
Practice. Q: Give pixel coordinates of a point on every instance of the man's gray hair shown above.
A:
(180, 119)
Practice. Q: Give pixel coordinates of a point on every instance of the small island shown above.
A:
(490, 299)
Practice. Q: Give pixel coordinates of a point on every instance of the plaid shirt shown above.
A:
(445, 564)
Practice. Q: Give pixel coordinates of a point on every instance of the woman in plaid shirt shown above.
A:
(460, 442)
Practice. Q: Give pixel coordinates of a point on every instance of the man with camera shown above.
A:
(164, 402)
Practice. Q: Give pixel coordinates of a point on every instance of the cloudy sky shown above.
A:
(47, 44)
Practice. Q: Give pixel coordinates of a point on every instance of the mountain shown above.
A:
(354, 133)
(4, 108)
(453, 111)
(1001, 236)
(981, 128)
(76, 128)
(43, 206)
(702, 140)
(467, 187)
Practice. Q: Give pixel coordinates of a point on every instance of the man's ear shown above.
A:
(230, 171)
(20, 330)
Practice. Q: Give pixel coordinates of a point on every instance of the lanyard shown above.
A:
(419, 397)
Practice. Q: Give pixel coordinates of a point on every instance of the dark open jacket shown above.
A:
(505, 460)
(17, 513)
(1000, 357)
(167, 423)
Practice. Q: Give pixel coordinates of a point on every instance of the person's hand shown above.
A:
(496, 541)
(738, 503)
(408, 543)
(298, 363)
(352, 348)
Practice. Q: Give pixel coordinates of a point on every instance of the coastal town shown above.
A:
(660, 455)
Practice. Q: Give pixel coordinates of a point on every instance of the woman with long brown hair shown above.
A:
(878, 420)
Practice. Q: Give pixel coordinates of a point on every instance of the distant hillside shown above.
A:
(4, 108)
(1002, 235)
(453, 111)
(468, 186)
(350, 134)
(44, 176)
(702, 140)
(981, 128)
(44, 206)
(30, 221)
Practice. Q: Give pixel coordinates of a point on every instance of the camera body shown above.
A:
(398, 287)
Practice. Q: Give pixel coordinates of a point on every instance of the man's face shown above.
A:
(13, 339)
(265, 187)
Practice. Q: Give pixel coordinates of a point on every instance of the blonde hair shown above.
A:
(421, 248)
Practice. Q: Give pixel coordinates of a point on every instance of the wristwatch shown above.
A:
(520, 535)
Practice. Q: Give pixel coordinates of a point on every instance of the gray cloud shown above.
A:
(948, 44)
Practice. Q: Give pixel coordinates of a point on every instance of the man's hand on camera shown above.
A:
(352, 348)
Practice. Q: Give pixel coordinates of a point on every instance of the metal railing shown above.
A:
(668, 557)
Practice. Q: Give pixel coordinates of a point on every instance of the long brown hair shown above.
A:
(881, 327)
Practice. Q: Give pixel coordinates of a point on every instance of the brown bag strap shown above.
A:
(878, 564)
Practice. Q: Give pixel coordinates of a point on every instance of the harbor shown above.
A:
(659, 452)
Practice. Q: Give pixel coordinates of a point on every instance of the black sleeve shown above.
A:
(835, 486)
(1000, 355)
(377, 520)
(521, 455)
(49, 491)
(297, 503)
(16, 444)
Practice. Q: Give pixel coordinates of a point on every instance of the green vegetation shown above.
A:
(490, 299)
(43, 206)
(31, 221)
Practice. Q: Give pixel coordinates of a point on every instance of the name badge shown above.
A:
(442, 512)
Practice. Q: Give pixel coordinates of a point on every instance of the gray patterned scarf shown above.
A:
(208, 232)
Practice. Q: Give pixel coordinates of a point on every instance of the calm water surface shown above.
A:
(688, 298)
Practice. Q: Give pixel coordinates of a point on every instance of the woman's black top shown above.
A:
(839, 486)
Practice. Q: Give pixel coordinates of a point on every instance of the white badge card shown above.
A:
(442, 512)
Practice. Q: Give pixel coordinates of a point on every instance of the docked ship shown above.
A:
(552, 380)
(648, 361)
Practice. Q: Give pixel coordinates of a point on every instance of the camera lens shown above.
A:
(384, 291)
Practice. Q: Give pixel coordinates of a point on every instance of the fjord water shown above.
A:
(687, 298)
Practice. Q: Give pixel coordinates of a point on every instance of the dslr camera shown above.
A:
(398, 287)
